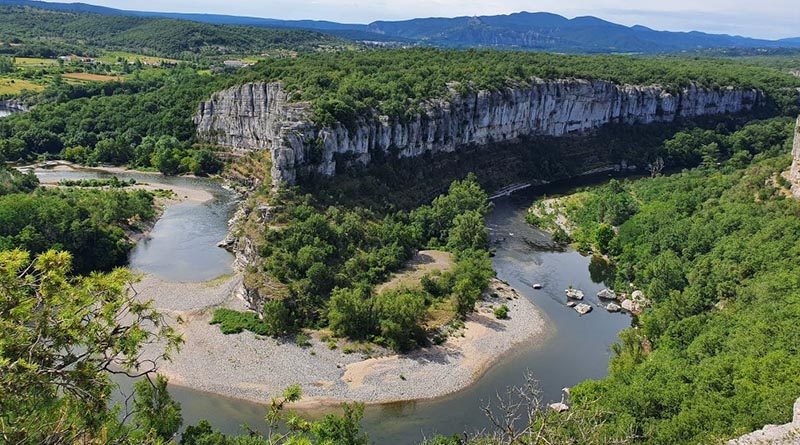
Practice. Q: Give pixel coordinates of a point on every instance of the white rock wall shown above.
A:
(260, 116)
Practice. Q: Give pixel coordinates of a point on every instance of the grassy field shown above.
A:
(113, 56)
(89, 77)
(423, 263)
(15, 86)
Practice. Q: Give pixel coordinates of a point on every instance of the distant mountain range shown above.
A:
(523, 30)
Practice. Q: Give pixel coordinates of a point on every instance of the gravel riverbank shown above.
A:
(246, 366)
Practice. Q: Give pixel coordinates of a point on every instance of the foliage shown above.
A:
(501, 312)
(332, 259)
(60, 339)
(155, 413)
(395, 317)
(716, 251)
(400, 313)
(49, 33)
(342, 86)
(696, 146)
(592, 214)
(331, 430)
(234, 322)
(519, 415)
(113, 182)
(145, 122)
(12, 181)
(87, 223)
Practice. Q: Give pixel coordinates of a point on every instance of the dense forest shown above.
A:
(27, 31)
(145, 122)
(329, 260)
(89, 224)
(341, 86)
(715, 249)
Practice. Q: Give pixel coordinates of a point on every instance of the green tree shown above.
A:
(6, 65)
(468, 232)
(350, 313)
(603, 235)
(155, 412)
(60, 339)
(400, 314)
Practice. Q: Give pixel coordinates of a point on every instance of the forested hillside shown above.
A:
(715, 250)
(123, 122)
(343, 85)
(145, 121)
(532, 31)
(28, 31)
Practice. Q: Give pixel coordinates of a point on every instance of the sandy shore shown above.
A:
(246, 366)
(182, 193)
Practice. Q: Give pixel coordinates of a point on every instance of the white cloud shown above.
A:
(764, 19)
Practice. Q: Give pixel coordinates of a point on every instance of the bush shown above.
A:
(303, 340)
(501, 312)
(235, 322)
(400, 314)
(350, 313)
(471, 275)
(277, 318)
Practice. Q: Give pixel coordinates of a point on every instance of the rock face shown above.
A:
(12, 106)
(786, 434)
(258, 116)
(794, 173)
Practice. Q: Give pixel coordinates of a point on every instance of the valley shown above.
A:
(232, 230)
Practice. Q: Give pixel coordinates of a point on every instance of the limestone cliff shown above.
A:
(260, 116)
(794, 173)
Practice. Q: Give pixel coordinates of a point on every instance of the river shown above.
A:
(182, 247)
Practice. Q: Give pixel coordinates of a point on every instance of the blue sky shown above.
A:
(764, 19)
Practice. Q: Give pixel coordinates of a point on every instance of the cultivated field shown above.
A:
(10, 86)
(90, 77)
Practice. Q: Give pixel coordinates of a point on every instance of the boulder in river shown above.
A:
(631, 306)
(537, 286)
(613, 307)
(559, 407)
(607, 294)
(575, 294)
(583, 308)
(571, 303)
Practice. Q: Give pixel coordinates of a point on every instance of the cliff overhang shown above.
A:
(261, 116)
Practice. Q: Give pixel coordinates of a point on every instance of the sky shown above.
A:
(770, 19)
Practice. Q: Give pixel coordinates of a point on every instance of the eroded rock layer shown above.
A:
(258, 116)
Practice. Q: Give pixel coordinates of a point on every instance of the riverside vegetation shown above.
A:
(715, 248)
(90, 224)
(328, 261)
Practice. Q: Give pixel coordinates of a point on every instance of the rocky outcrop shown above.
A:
(12, 106)
(786, 434)
(258, 116)
(794, 172)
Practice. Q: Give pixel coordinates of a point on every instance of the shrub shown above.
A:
(501, 312)
(400, 314)
(234, 322)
